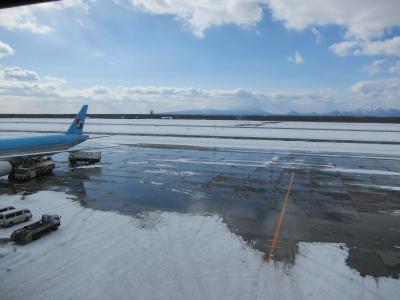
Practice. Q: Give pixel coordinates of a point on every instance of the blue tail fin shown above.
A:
(77, 125)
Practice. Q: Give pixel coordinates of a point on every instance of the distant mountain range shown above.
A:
(367, 112)
(220, 112)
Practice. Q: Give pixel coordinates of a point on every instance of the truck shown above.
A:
(35, 230)
(33, 168)
(84, 157)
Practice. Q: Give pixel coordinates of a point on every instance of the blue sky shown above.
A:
(133, 56)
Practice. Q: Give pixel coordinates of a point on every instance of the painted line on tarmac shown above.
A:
(280, 221)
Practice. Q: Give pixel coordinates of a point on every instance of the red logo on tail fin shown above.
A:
(78, 123)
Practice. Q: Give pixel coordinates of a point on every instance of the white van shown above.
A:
(6, 208)
(11, 217)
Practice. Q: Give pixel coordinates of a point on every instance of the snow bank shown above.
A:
(360, 171)
(64, 122)
(162, 255)
(378, 187)
(315, 147)
(220, 128)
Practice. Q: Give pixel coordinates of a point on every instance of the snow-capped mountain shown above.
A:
(369, 111)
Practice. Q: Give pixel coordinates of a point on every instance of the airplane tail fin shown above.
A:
(77, 125)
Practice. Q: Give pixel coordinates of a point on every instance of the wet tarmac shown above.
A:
(350, 199)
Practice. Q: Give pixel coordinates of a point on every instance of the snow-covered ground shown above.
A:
(360, 171)
(304, 146)
(169, 255)
(220, 128)
(357, 138)
(212, 123)
(164, 255)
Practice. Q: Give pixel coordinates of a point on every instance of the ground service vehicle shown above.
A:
(6, 208)
(11, 217)
(85, 157)
(34, 169)
(35, 230)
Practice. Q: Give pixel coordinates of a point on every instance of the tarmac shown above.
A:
(272, 199)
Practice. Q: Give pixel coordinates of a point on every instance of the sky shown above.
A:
(134, 56)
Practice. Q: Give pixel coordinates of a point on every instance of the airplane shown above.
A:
(14, 151)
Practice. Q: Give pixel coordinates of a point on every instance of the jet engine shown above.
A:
(5, 168)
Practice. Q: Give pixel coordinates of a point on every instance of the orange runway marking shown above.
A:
(280, 221)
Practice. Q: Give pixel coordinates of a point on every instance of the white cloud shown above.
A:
(26, 17)
(296, 58)
(317, 34)
(388, 47)
(24, 90)
(18, 74)
(390, 85)
(33, 91)
(81, 4)
(366, 22)
(18, 85)
(104, 57)
(374, 67)
(363, 19)
(345, 48)
(79, 21)
(395, 68)
(201, 15)
(379, 93)
(22, 18)
(98, 53)
(5, 50)
(22, 82)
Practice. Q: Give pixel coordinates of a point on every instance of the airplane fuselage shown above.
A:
(40, 143)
